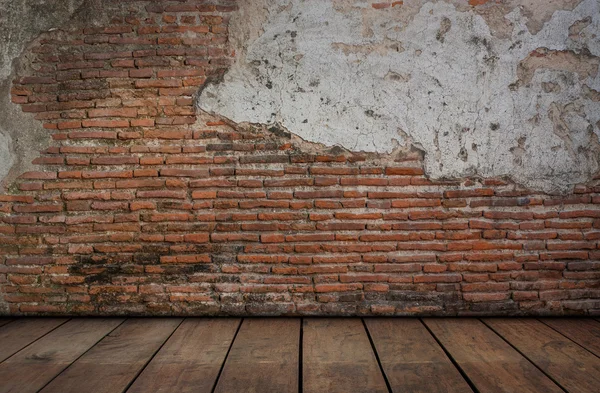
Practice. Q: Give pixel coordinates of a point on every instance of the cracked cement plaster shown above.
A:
(21, 136)
(480, 91)
(21, 22)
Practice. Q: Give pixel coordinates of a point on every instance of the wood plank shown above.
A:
(114, 362)
(4, 321)
(412, 359)
(338, 357)
(574, 368)
(22, 332)
(191, 360)
(34, 366)
(584, 331)
(489, 362)
(263, 358)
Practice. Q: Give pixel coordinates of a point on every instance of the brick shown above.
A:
(105, 124)
(498, 215)
(38, 175)
(204, 194)
(142, 122)
(38, 208)
(485, 297)
(68, 125)
(272, 238)
(263, 159)
(469, 193)
(156, 83)
(179, 73)
(195, 173)
(117, 112)
(141, 205)
(114, 160)
(438, 278)
(403, 171)
(340, 226)
(320, 288)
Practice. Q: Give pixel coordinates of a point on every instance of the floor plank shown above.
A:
(191, 360)
(584, 331)
(338, 357)
(488, 361)
(263, 358)
(114, 362)
(576, 369)
(34, 366)
(22, 332)
(411, 358)
(4, 321)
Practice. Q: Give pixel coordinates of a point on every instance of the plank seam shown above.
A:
(152, 357)
(451, 358)
(385, 378)
(226, 356)
(37, 339)
(526, 357)
(6, 322)
(79, 357)
(567, 337)
(300, 357)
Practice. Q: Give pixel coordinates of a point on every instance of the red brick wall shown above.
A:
(141, 205)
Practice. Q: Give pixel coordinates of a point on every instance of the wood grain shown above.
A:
(574, 368)
(411, 358)
(22, 332)
(584, 331)
(191, 360)
(161, 355)
(36, 365)
(263, 358)
(116, 360)
(338, 357)
(489, 362)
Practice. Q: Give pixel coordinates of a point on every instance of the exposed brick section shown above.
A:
(140, 207)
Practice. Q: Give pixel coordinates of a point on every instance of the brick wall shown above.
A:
(141, 205)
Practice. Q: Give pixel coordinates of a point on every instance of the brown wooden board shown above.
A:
(22, 332)
(34, 366)
(4, 321)
(337, 357)
(584, 331)
(115, 361)
(489, 362)
(263, 358)
(191, 360)
(411, 358)
(574, 368)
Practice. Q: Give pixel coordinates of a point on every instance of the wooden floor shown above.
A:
(299, 355)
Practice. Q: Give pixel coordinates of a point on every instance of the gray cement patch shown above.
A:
(22, 137)
(454, 82)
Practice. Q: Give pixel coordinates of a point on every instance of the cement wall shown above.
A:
(495, 89)
(21, 137)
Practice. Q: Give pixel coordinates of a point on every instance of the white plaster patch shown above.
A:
(439, 80)
(7, 155)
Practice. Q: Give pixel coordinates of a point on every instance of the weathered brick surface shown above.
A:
(141, 206)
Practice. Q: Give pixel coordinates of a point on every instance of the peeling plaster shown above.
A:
(21, 136)
(490, 90)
